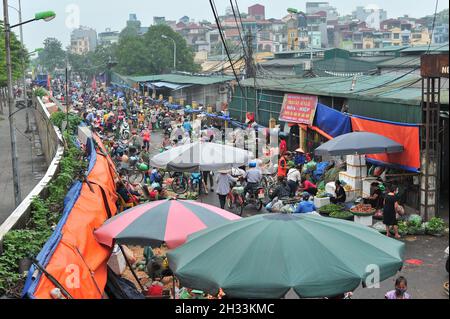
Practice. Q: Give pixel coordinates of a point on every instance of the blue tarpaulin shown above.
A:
(331, 121)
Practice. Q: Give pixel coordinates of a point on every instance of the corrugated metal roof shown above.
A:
(370, 87)
(343, 65)
(182, 79)
(423, 48)
(285, 62)
(401, 62)
(373, 59)
(391, 48)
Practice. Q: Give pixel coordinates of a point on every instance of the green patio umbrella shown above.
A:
(267, 255)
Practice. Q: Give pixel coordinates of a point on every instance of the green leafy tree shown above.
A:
(151, 54)
(133, 57)
(91, 63)
(19, 57)
(162, 51)
(129, 31)
(53, 56)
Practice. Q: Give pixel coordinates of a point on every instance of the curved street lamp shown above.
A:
(174, 51)
(46, 16)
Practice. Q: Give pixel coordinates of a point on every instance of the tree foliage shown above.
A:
(19, 57)
(91, 63)
(151, 54)
(53, 56)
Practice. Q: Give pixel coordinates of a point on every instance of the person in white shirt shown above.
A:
(293, 178)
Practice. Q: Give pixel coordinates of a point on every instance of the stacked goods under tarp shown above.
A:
(72, 255)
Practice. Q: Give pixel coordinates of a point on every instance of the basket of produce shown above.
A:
(328, 209)
(342, 215)
(348, 188)
(363, 210)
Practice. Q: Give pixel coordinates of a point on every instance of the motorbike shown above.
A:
(256, 198)
(168, 131)
(125, 130)
(195, 181)
(134, 119)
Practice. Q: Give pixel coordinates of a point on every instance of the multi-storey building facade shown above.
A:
(83, 40)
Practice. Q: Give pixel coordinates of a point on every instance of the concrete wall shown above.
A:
(52, 146)
(47, 132)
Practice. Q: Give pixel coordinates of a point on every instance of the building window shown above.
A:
(396, 36)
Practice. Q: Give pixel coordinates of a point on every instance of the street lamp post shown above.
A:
(174, 51)
(47, 16)
(24, 83)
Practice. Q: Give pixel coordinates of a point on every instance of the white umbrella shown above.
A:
(202, 156)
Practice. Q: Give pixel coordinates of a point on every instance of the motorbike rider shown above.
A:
(166, 141)
(253, 177)
(166, 121)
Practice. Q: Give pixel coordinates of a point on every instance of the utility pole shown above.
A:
(24, 80)
(15, 164)
(250, 65)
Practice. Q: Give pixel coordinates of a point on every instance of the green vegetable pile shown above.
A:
(414, 226)
(331, 208)
(435, 226)
(341, 214)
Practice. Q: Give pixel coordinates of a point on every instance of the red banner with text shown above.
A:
(299, 108)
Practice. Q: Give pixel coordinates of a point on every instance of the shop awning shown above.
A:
(168, 85)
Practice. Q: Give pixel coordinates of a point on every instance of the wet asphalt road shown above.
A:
(425, 281)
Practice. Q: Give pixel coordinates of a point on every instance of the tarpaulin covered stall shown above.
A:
(405, 134)
(332, 121)
(72, 255)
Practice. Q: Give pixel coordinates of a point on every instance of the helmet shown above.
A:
(252, 165)
(381, 187)
(305, 196)
(143, 167)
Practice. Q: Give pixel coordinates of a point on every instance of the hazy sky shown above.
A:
(101, 14)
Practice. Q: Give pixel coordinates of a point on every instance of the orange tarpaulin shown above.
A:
(405, 134)
(79, 262)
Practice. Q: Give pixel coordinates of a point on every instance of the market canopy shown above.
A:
(358, 143)
(201, 156)
(265, 256)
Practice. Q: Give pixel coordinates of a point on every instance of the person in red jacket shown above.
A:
(146, 138)
(283, 147)
(282, 167)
